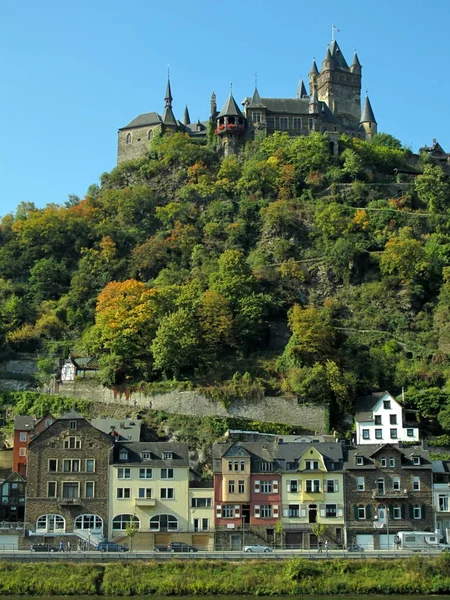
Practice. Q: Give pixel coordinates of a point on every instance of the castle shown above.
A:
(332, 107)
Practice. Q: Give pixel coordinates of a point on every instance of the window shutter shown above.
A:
(322, 512)
(257, 510)
(402, 511)
(218, 511)
(299, 485)
(355, 511)
(303, 512)
(288, 485)
(325, 485)
(285, 512)
(423, 511)
(391, 511)
(237, 510)
(340, 512)
(275, 486)
(336, 485)
(411, 511)
(368, 512)
(276, 511)
(257, 487)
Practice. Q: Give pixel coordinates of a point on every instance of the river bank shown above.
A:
(416, 575)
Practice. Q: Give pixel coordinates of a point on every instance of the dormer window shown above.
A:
(387, 404)
(123, 454)
(146, 455)
(359, 460)
(311, 465)
(167, 455)
(416, 460)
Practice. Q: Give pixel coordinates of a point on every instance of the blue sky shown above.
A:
(72, 73)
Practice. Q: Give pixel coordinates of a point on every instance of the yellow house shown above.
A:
(149, 486)
(201, 515)
(312, 492)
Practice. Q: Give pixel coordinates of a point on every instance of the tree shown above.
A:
(404, 257)
(319, 530)
(433, 188)
(131, 529)
(312, 334)
(216, 320)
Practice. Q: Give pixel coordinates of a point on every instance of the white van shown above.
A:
(419, 540)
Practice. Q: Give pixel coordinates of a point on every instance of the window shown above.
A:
(361, 512)
(293, 486)
(167, 493)
(387, 404)
(51, 489)
(89, 489)
(366, 434)
(163, 523)
(230, 465)
(50, 523)
(266, 511)
(312, 465)
(167, 455)
(266, 487)
(241, 487)
(330, 510)
(124, 473)
(205, 524)
(266, 466)
(359, 460)
(145, 473)
(378, 434)
(311, 124)
(88, 522)
(231, 487)
(23, 437)
(256, 117)
(123, 493)
(443, 503)
(166, 473)
(70, 490)
(294, 510)
(145, 493)
(22, 451)
(396, 484)
(313, 485)
(410, 432)
(128, 140)
(416, 460)
(331, 486)
(123, 454)
(201, 524)
(149, 134)
(297, 123)
(52, 465)
(392, 462)
(227, 512)
(72, 442)
(393, 419)
(270, 123)
(416, 484)
(396, 512)
(146, 455)
(71, 465)
(383, 462)
(72, 425)
(417, 512)
(360, 485)
(242, 465)
(284, 123)
(48, 422)
(393, 434)
(90, 465)
(120, 522)
(378, 420)
(201, 502)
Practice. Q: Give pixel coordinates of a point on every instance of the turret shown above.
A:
(337, 56)
(313, 107)
(327, 63)
(168, 117)
(355, 67)
(313, 77)
(186, 117)
(368, 122)
(230, 125)
(301, 90)
(213, 106)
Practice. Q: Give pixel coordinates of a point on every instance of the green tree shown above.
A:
(404, 257)
(433, 188)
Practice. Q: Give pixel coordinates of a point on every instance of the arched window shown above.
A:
(150, 134)
(163, 523)
(121, 521)
(128, 138)
(50, 523)
(89, 522)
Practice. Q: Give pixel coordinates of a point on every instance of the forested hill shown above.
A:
(281, 270)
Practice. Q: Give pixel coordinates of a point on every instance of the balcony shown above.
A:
(145, 502)
(69, 501)
(230, 128)
(400, 494)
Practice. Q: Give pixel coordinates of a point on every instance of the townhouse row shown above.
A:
(95, 485)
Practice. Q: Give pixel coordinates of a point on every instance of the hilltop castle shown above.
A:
(332, 106)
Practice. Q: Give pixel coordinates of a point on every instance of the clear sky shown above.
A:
(72, 73)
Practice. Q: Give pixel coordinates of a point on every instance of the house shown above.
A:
(25, 427)
(84, 367)
(201, 513)
(441, 496)
(381, 419)
(149, 486)
(388, 488)
(67, 480)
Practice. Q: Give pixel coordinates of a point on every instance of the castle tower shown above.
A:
(313, 74)
(230, 126)
(168, 118)
(339, 85)
(186, 117)
(301, 90)
(367, 121)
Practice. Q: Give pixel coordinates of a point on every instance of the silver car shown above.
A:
(257, 548)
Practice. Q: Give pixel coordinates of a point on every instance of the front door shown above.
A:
(312, 513)
(236, 542)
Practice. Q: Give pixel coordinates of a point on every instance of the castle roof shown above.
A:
(355, 62)
(230, 108)
(151, 118)
(296, 106)
(338, 57)
(186, 117)
(301, 90)
(367, 115)
(168, 118)
(314, 69)
(256, 101)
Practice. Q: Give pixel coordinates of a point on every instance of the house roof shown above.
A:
(71, 415)
(230, 108)
(180, 453)
(151, 118)
(369, 451)
(126, 429)
(24, 423)
(256, 101)
(366, 404)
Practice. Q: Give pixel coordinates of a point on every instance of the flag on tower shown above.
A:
(336, 29)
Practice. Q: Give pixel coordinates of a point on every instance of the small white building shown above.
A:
(380, 419)
(441, 496)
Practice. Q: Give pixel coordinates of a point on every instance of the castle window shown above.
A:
(256, 117)
(311, 124)
(284, 123)
(128, 138)
(271, 123)
(150, 134)
(297, 122)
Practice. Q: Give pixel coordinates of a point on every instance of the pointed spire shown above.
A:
(301, 90)
(186, 117)
(168, 99)
(313, 106)
(367, 115)
(314, 69)
(230, 108)
(338, 57)
(256, 101)
(355, 62)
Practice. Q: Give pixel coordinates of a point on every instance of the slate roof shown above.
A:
(24, 423)
(168, 118)
(151, 118)
(370, 451)
(186, 117)
(367, 115)
(355, 61)
(127, 429)
(338, 57)
(314, 69)
(365, 404)
(71, 415)
(230, 108)
(301, 90)
(180, 453)
(256, 101)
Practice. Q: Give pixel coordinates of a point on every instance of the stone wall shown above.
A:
(269, 409)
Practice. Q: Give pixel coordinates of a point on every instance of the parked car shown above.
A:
(181, 547)
(355, 548)
(111, 547)
(43, 548)
(257, 548)
(161, 548)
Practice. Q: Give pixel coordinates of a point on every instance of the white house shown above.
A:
(380, 419)
(441, 496)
